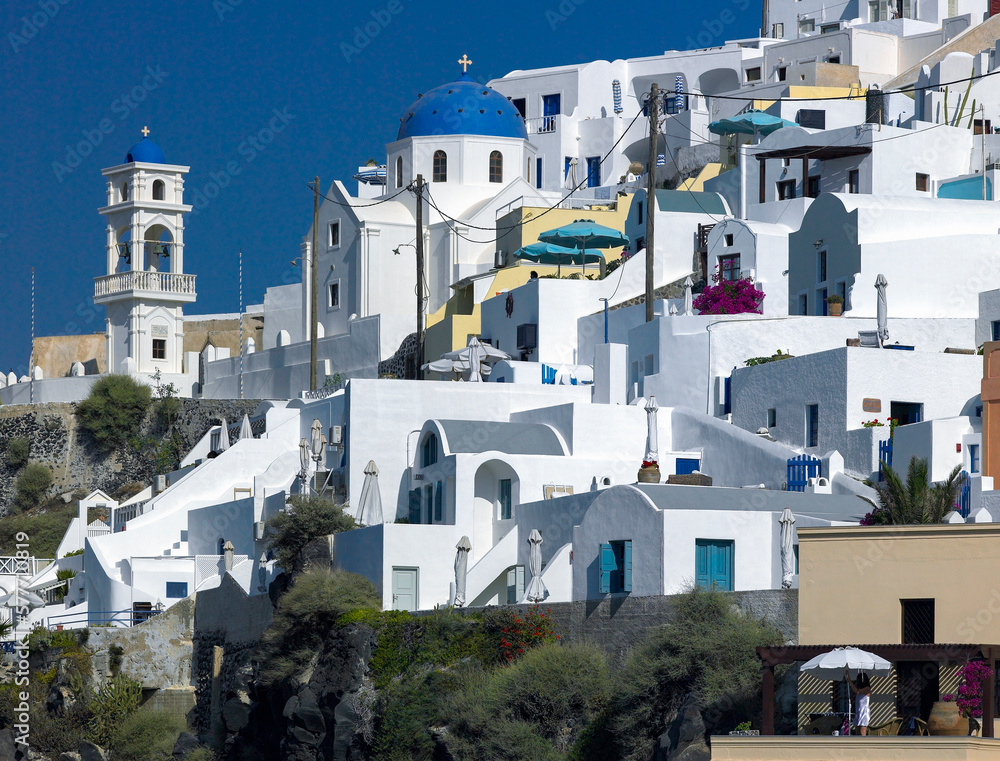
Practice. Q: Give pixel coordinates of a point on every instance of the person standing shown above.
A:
(861, 688)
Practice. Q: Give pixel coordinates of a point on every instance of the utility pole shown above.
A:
(654, 131)
(420, 275)
(314, 295)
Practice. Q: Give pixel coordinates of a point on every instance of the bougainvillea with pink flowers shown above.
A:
(970, 693)
(729, 297)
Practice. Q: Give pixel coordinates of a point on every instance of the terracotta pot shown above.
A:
(835, 310)
(946, 719)
(649, 475)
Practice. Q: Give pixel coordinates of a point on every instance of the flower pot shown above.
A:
(649, 475)
(835, 310)
(946, 719)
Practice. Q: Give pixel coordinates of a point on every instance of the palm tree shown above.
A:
(916, 500)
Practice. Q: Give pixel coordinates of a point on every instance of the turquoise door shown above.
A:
(686, 465)
(713, 561)
(404, 589)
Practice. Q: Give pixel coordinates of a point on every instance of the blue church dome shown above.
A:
(146, 151)
(463, 107)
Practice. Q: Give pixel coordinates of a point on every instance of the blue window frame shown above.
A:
(616, 567)
(551, 105)
(414, 506)
(504, 498)
(538, 173)
(973, 458)
(713, 560)
(177, 589)
(438, 501)
(686, 465)
(812, 425)
(429, 451)
(996, 330)
(593, 171)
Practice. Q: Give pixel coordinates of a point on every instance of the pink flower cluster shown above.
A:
(970, 692)
(729, 297)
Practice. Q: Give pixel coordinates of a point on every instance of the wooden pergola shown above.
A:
(805, 152)
(939, 653)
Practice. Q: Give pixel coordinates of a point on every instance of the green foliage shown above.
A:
(168, 406)
(73, 554)
(118, 699)
(754, 361)
(709, 649)
(522, 633)
(64, 574)
(307, 612)
(116, 654)
(114, 410)
(334, 381)
(53, 735)
(309, 518)
(16, 455)
(45, 527)
(31, 486)
(146, 735)
(915, 500)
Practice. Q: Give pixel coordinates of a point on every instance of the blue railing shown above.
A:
(964, 494)
(801, 469)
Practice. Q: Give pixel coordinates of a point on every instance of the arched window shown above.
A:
(158, 188)
(496, 166)
(429, 451)
(399, 172)
(440, 173)
(124, 191)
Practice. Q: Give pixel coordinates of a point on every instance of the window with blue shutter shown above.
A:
(616, 567)
(608, 567)
(627, 566)
(438, 500)
(515, 584)
(504, 498)
(713, 564)
(414, 506)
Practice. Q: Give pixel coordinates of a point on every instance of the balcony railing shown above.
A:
(138, 280)
(542, 125)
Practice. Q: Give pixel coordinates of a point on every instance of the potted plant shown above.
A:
(743, 730)
(835, 305)
(970, 693)
(946, 718)
(649, 473)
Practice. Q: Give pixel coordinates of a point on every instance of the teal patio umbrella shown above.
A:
(584, 233)
(752, 122)
(550, 253)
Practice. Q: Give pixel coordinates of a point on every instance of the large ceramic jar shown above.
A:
(946, 719)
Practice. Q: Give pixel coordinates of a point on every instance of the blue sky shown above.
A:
(206, 75)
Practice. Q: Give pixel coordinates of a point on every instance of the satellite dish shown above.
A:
(636, 168)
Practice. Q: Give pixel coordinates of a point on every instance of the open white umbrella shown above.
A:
(246, 432)
(536, 591)
(846, 663)
(461, 568)
(688, 297)
(787, 522)
(882, 310)
(652, 444)
(370, 504)
(223, 436)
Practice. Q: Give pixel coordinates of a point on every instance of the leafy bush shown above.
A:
(914, 500)
(307, 612)
(46, 527)
(729, 297)
(146, 735)
(709, 649)
(114, 410)
(308, 519)
(31, 486)
(17, 452)
(532, 629)
(119, 698)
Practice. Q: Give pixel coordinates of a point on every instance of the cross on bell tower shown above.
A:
(465, 62)
(144, 288)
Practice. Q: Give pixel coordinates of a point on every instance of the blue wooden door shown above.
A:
(714, 564)
(593, 171)
(686, 465)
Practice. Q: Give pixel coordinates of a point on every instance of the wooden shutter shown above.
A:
(607, 566)
(627, 584)
(702, 575)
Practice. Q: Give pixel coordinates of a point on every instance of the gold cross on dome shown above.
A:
(466, 63)
(145, 131)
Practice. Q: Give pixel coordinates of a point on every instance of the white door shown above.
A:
(404, 589)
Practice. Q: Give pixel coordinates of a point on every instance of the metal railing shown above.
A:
(141, 280)
(121, 618)
(13, 566)
(542, 125)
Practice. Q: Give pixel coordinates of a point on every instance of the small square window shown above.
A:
(729, 239)
(334, 234)
(177, 590)
(160, 351)
(772, 418)
(777, 31)
(335, 294)
(786, 190)
(782, 73)
(807, 25)
(729, 267)
(753, 74)
(854, 181)
(923, 182)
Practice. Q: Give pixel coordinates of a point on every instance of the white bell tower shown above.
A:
(145, 288)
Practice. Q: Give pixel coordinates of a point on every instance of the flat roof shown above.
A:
(818, 152)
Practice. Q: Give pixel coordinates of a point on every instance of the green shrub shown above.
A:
(17, 452)
(309, 518)
(146, 735)
(73, 554)
(46, 527)
(114, 410)
(118, 699)
(31, 486)
(307, 612)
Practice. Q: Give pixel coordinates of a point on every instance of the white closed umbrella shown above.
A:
(246, 432)
(787, 522)
(536, 591)
(370, 504)
(224, 436)
(652, 444)
(571, 181)
(688, 296)
(475, 360)
(882, 309)
(461, 569)
(304, 455)
(846, 663)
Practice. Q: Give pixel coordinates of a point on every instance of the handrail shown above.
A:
(142, 280)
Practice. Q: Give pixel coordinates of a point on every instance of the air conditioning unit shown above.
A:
(258, 530)
(499, 260)
(527, 336)
(159, 484)
(336, 435)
